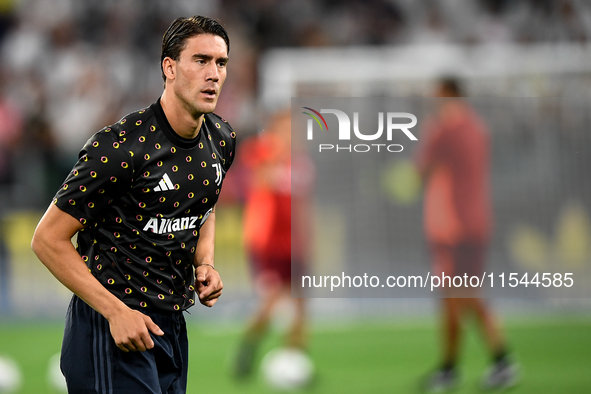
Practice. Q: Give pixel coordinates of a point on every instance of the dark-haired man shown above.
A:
(142, 200)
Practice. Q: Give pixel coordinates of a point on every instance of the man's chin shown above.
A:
(205, 108)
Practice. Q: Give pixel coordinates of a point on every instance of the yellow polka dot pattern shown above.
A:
(145, 234)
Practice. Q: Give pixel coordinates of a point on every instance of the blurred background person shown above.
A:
(453, 159)
(11, 130)
(277, 183)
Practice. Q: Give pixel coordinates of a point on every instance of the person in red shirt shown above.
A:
(274, 242)
(453, 160)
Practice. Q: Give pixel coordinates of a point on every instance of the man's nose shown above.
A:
(212, 73)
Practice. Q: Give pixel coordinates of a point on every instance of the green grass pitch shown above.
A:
(378, 357)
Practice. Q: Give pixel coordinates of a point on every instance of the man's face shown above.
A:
(200, 73)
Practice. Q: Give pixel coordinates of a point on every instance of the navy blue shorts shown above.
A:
(92, 363)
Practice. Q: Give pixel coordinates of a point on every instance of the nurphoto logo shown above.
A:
(395, 122)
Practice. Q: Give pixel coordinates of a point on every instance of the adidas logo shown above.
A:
(164, 184)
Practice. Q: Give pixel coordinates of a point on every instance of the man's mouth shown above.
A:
(209, 93)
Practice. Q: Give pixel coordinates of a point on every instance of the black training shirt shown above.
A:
(143, 192)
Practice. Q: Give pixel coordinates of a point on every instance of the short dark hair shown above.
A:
(181, 29)
(452, 85)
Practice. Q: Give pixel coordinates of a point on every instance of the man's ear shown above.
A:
(169, 68)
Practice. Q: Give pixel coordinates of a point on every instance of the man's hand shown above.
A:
(208, 285)
(131, 331)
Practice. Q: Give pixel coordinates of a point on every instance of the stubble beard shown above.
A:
(194, 107)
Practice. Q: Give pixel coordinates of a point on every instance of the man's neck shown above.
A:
(181, 120)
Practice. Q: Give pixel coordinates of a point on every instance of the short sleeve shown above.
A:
(231, 148)
(103, 173)
(225, 137)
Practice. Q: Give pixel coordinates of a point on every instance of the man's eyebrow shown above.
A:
(202, 56)
(208, 57)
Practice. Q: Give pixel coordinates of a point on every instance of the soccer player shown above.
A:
(271, 244)
(453, 159)
(141, 199)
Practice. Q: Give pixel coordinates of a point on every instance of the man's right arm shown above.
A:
(428, 152)
(52, 245)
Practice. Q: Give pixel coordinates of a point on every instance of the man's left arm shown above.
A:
(208, 283)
